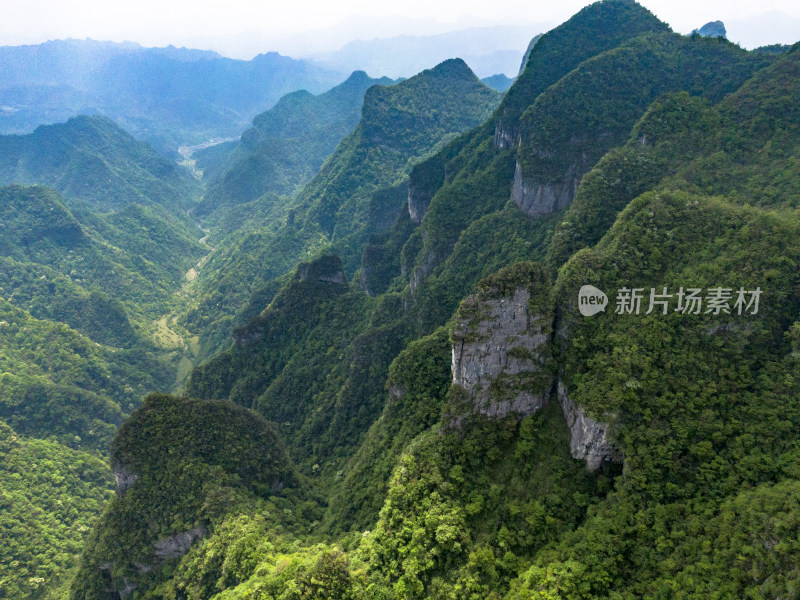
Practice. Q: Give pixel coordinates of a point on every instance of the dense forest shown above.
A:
(347, 359)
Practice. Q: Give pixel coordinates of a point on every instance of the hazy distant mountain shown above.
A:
(763, 30)
(247, 44)
(167, 96)
(498, 82)
(487, 50)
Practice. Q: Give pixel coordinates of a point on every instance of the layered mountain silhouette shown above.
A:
(374, 378)
(167, 96)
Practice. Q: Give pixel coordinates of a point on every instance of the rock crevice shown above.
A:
(178, 544)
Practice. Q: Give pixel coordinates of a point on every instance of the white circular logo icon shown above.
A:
(591, 300)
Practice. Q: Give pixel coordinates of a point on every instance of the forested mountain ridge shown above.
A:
(92, 159)
(86, 279)
(92, 279)
(359, 190)
(288, 143)
(466, 432)
(104, 252)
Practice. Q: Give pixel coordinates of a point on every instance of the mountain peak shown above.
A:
(712, 29)
(450, 88)
(595, 29)
(357, 77)
(452, 68)
(91, 158)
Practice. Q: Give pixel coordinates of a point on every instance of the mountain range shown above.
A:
(372, 369)
(166, 96)
(487, 50)
(287, 144)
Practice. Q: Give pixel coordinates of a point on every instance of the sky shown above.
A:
(305, 26)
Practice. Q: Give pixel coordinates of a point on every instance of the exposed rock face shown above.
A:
(326, 269)
(712, 29)
(501, 356)
(126, 591)
(589, 439)
(333, 278)
(425, 179)
(422, 271)
(124, 479)
(504, 136)
(173, 546)
(249, 334)
(110, 589)
(177, 545)
(418, 202)
(544, 198)
(363, 280)
(502, 361)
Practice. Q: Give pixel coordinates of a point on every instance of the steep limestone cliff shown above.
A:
(589, 439)
(534, 198)
(424, 181)
(501, 347)
(503, 361)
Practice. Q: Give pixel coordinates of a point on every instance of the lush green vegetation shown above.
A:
(50, 498)
(187, 477)
(314, 362)
(91, 158)
(85, 278)
(709, 421)
(287, 144)
(741, 148)
(583, 115)
(358, 192)
(597, 28)
(695, 187)
(329, 451)
(417, 386)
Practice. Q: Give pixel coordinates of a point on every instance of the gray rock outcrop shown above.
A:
(501, 355)
(425, 179)
(537, 199)
(178, 544)
(504, 136)
(589, 439)
(326, 269)
(503, 362)
(712, 29)
(419, 199)
(165, 549)
(124, 479)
